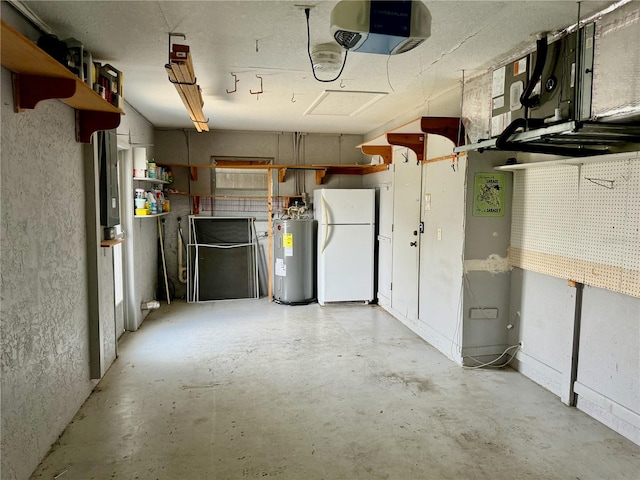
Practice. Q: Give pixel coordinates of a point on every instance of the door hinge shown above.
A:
(391, 286)
(392, 228)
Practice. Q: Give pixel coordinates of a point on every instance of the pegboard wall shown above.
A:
(580, 222)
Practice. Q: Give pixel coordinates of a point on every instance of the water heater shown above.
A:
(294, 257)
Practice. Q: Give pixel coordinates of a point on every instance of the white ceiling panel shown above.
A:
(269, 39)
(343, 102)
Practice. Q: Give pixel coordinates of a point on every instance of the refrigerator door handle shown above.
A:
(325, 226)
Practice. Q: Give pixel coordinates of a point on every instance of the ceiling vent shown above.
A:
(383, 27)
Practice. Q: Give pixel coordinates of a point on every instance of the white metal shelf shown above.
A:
(150, 180)
(151, 215)
(571, 161)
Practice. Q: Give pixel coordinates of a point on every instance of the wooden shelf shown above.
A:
(239, 197)
(111, 243)
(321, 170)
(150, 180)
(412, 135)
(38, 76)
(152, 215)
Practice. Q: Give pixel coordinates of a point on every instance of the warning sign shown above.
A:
(287, 244)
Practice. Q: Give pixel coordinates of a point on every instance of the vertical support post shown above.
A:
(575, 349)
(270, 232)
(91, 155)
(164, 263)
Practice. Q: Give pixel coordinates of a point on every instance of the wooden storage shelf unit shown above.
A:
(111, 243)
(321, 170)
(37, 76)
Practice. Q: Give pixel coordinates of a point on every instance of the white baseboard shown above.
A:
(384, 302)
(434, 338)
(539, 372)
(615, 416)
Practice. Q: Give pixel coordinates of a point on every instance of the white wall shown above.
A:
(542, 309)
(608, 384)
(45, 349)
(177, 146)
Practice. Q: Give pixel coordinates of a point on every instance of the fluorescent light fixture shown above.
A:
(181, 74)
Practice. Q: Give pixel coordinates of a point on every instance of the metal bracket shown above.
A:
(235, 83)
(261, 88)
(168, 65)
(181, 35)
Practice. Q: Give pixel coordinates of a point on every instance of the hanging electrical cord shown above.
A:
(388, 79)
(344, 61)
(491, 364)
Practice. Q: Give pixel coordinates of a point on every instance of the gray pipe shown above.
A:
(150, 305)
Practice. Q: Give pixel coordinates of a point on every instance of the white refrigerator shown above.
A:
(346, 227)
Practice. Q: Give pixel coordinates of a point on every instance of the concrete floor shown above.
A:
(252, 389)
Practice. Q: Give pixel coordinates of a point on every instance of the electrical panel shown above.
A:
(108, 160)
(508, 84)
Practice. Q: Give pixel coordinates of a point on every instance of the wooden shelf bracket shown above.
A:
(320, 174)
(28, 90)
(88, 121)
(414, 141)
(385, 151)
(282, 173)
(449, 127)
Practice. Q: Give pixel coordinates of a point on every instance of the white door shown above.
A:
(406, 232)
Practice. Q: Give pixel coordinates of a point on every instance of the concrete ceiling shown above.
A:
(269, 39)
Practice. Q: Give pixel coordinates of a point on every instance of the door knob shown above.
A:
(414, 244)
